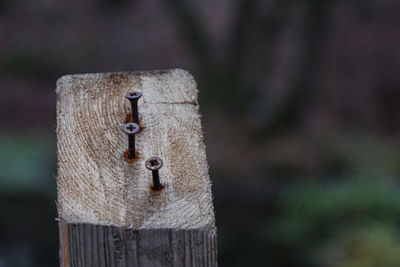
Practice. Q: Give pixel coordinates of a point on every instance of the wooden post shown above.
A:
(109, 213)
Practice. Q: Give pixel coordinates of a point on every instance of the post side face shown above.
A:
(100, 245)
(97, 185)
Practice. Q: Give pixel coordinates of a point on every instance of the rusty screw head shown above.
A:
(153, 163)
(135, 95)
(131, 128)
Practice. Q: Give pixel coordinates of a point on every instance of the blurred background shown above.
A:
(300, 104)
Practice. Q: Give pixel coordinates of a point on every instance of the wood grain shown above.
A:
(96, 185)
(98, 245)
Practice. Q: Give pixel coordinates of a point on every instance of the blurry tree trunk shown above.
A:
(230, 78)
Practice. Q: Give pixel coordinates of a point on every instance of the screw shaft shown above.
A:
(156, 180)
(135, 113)
(132, 147)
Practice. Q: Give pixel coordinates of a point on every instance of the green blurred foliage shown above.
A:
(35, 63)
(27, 164)
(368, 245)
(350, 223)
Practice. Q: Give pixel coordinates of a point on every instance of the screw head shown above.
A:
(135, 95)
(131, 128)
(154, 163)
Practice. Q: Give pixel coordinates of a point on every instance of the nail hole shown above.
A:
(157, 189)
(130, 160)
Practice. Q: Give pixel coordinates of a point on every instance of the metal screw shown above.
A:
(131, 129)
(154, 164)
(133, 97)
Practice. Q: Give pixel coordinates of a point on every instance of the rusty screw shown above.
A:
(133, 97)
(131, 129)
(154, 164)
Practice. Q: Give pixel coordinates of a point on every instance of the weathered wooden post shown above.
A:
(110, 212)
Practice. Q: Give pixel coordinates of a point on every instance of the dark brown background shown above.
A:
(300, 112)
